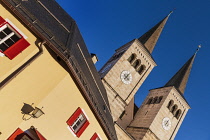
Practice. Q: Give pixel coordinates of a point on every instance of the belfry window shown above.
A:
(178, 113)
(150, 100)
(155, 100)
(132, 58)
(159, 99)
(173, 109)
(136, 64)
(141, 69)
(170, 104)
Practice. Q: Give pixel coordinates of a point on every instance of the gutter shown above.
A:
(21, 68)
(62, 53)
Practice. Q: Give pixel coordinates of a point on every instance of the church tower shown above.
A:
(127, 69)
(163, 110)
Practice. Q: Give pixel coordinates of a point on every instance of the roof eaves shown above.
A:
(60, 49)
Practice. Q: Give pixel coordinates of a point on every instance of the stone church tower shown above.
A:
(127, 69)
(164, 109)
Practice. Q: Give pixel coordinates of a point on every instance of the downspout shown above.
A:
(22, 67)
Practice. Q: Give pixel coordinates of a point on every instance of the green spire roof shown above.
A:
(149, 39)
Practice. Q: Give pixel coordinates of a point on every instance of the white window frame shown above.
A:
(8, 36)
(82, 119)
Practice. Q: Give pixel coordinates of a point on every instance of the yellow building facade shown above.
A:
(40, 77)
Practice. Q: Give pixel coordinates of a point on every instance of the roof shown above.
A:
(48, 21)
(150, 38)
(179, 80)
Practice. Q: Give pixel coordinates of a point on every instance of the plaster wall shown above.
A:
(46, 84)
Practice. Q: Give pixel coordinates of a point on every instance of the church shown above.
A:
(51, 90)
(162, 112)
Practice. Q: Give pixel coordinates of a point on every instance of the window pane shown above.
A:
(3, 47)
(2, 35)
(7, 31)
(9, 42)
(81, 117)
(15, 38)
(74, 127)
(78, 123)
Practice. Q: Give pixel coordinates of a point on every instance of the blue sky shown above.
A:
(107, 25)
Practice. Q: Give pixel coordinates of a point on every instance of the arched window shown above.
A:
(178, 113)
(141, 69)
(136, 64)
(159, 99)
(132, 57)
(150, 100)
(173, 109)
(155, 100)
(170, 104)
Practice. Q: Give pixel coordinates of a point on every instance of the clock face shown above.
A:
(166, 123)
(126, 77)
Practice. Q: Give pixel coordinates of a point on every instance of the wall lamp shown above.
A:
(28, 110)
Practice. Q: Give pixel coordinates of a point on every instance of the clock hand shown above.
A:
(167, 123)
(127, 76)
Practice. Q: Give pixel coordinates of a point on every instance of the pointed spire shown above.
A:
(149, 39)
(179, 80)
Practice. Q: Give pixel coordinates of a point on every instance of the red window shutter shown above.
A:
(94, 136)
(16, 48)
(15, 134)
(2, 21)
(82, 129)
(73, 118)
(75, 115)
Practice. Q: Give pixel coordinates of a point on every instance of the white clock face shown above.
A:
(126, 77)
(166, 123)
